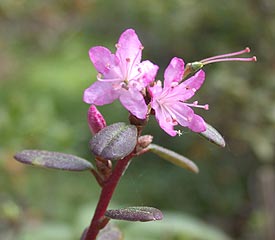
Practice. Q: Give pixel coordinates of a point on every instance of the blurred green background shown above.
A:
(44, 68)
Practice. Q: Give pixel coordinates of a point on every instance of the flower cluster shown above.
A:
(125, 77)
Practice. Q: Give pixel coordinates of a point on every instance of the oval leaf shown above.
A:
(115, 141)
(110, 232)
(213, 136)
(142, 214)
(54, 160)
(174, 157)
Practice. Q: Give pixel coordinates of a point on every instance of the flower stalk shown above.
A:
(105, 197)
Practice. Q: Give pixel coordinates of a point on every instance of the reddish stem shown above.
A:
(105, 197)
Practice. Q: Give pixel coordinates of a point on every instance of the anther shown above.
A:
(174, 84)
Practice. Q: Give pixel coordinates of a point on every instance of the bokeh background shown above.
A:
(44, 68)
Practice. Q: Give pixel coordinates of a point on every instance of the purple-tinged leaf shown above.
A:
(213, 136)
(110, 232)
(84, 234)
(142, 214)
(174, 157)
(115, 141)
(53, 160)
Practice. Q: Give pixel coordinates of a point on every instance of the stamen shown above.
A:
(134, 64)
(228, 57)
(246, 50)
(196, 104)
(193, 67)
(99, 78)
(174, 84)
(252, 59)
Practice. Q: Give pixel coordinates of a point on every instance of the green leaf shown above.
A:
(54, 160)
(142, 214)
(115, 141)
(174, 157)
(213, 136)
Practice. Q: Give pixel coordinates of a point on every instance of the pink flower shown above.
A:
(121, 75)
(169, 102)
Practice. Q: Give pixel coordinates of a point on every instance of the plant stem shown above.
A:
(105, 197)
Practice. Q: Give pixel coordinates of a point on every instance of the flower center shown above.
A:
(129, 66)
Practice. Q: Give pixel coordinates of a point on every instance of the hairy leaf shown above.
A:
(54, 160)
(110, 232)
(142, 214)
(115, 141)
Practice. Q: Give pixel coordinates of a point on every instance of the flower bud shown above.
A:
(145, 140)
(95, 120)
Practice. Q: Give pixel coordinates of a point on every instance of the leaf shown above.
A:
(174, 157)
(142, 214)
(176, 226)
(115, 141)
(110, 232)
(213, 136)
(54, 160)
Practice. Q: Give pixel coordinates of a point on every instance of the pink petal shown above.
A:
(134, 102)
(186, 117)
(197, 124)
(155, 91)
(100, 93)
(182, 92)
(183, 114)
(188, 88)
(149, 71)
(104, 61)
(195, 81)
(165, 121)
(174, 72)
(129, 48)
